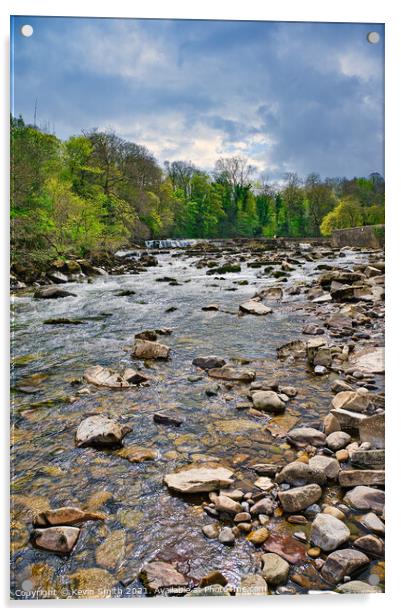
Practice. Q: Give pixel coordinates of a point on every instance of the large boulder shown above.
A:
(100, 430)
(197, 480)
(229, 373)
(301, 437)
(146, 349)
(365, 498)
(157, 575)
(300, 474)
(297, 499)
(267, 401)
(328, 532)
(341, 563)
(60, 539)
(275, 569)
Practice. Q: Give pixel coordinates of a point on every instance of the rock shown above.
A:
(201, 479)
(328, 532)
(356, 587)
(342, 455)
(211, 308)
(268, 385)
(341, 563)
(208, 362)
(339, 386)
(269, 470)
(353, 401)
(228, 373)
(258, 536)
(64, 516)
(369, 360)
(371, 544)
(60, 539)
(256, 308)
(331, 424)
(211, 531)
(348, 419)
(373, 523)
(322, 357)
(242, 517)
(289, 391)
(267, 401)
(338, 440)
(372, 429)
(275, 569)
(137, 454)
(297, 499)
(286, 546)
(252, 584)
(105, 377)
(52, 293)
(98, 430)
(226, 504)
(263, 506)
(245, 527)
(236, 495)
(145, 349)
(148, 334)
(300, 474)
(264, 483)
(226, 536)
(301, 437)
(91, 582)
(214, 577)
(361, 478)
(320, 370)
(295, 348)
(314, 552)
(297, 519)
(110, 553)
(329, 466)
(157, 575)
(168, 419)
(313, 329)
(330, 510)
(370, 458)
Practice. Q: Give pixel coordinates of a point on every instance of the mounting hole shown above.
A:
(373, 37)
(26, 30)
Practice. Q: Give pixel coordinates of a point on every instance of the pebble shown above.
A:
(258, 536)
(314, 552)
(211, 530)
(226, 536)
(342, 455)
(338, 440)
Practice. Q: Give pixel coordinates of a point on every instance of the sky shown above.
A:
(288, 97)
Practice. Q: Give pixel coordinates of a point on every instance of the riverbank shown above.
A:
(270, 395)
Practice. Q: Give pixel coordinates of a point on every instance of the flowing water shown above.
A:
(49, 471)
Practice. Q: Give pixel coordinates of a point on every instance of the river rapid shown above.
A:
(49, 400)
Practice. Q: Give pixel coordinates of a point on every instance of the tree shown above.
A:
(348, 213)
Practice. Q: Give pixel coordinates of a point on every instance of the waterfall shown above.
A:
(169, 243)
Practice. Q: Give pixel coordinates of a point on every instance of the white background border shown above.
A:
(386, 11)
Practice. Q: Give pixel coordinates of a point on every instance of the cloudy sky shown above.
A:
(287, 96)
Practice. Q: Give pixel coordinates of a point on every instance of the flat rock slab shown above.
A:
(256, 308)
(227, 373)
(105, 377)
(361, 478)
(60, 539)
(368, 458)
(356, 587)
(287, 547)
(198, 480)
(65, 516)
(100, 430)
(365, 498)
(157, 575)
(369, 360)
(168, 419)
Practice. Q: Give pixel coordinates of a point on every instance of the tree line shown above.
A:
(97, 191)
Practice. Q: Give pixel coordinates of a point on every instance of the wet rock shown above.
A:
(338, 386)
(297, 519)
(353, 401)
(98, 430)
(242, 517)
(371, 544)
(52, 293)
(137, 454)
(331, 424)
(105, 377)
(301, 437)
(373, 523)
(211, 531)
(226, 536)
(110, 553)
(147, 334)
(338, 440)
(258, 536)
(356, 587)
(269, 470)
(328, 532)
(208, 362)
(211, 308)
(63, 321)
(167, 418)
(286, 546)
(256, 308)
(369, 360)
(274, 569)
(300, 474)
(341, 563)
(312, 329)
(295, 348)
(289, 391)
(252, 584)
(320, 370)
(297, 499)
(157, 575)
(342, 455)
(330, 510)
(267, 401)
(264, 483)
(350, 478)
(348, 419)
(228, 373)
(214, 577)
(236, 495)
(372, 429)
(263, 506)
(226, 504)
(326, 465)
(197, 480)
(64, 516)
(60, 539)
(145, 349)
(368, 458)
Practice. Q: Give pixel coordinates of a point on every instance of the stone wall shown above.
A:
(366, 237)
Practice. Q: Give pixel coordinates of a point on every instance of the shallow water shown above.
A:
(48, 470)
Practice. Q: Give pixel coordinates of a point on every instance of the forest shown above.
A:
(97, 191)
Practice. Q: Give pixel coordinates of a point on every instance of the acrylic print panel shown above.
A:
(197, 275)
